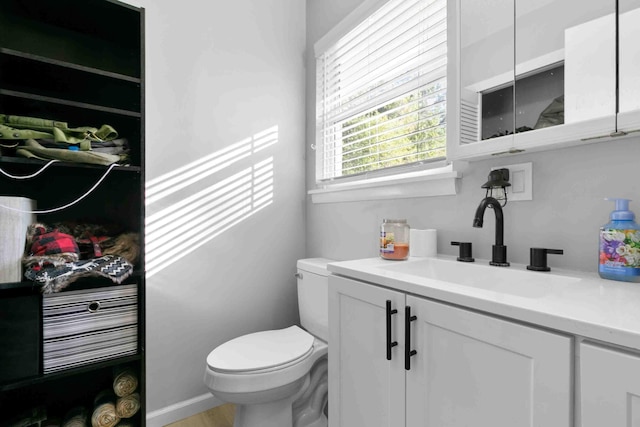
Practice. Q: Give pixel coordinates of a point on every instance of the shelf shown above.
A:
(90, 282)
(64, 64)
(24, 74)
(83, 105)
(80, 62)
(535, 94)
(6, 160)
(44, 28)
(69, 372)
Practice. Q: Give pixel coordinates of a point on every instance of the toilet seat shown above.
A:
(253, 381)
(261, 352)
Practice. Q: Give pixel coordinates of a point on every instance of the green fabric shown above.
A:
(32, 149)
(20, 127)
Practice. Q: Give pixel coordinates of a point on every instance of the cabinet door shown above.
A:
(475, 370)
(565, 86)
(365, 389)
(480, 98)
(609, 387)
(629, 65)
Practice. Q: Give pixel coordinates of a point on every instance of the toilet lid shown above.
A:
(261, 350)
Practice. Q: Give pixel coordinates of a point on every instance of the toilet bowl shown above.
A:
(278, 378)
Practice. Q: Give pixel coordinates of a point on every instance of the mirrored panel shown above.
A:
(564, 62)
(629, 41)
(486, 69)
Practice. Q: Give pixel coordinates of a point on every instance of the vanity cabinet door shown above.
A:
(365, 389)
(609, 387)
(476, 370)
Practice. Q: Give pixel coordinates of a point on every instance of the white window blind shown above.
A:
(381, 91)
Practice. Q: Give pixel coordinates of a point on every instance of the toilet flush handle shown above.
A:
(298, 275)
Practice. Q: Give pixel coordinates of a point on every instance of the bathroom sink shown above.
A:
(519, 282)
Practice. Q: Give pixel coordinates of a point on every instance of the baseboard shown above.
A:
(181, 410)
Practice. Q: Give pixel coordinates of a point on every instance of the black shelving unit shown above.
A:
(80, 62)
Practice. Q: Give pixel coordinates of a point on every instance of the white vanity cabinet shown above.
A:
(468, 368)
(539, 74)
(609, 387)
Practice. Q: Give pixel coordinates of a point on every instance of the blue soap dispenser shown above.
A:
(620, 245)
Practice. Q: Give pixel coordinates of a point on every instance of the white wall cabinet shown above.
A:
(609, 387)
(629, 65)
(468, 368)
(536, 75)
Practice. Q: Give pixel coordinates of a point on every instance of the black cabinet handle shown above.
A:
(390, 344)
(408, 318)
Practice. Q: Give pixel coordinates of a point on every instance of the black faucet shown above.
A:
(499, 252)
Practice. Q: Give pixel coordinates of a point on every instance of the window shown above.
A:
(381, 91)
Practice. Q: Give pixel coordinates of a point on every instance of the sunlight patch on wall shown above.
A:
(180, 229)
(178, 179)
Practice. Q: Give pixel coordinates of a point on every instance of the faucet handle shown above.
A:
(465, 251)
(538, 258)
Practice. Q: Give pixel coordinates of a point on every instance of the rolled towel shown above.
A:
(128, 406)
(104, 412)
(125, 381)
(76, 417)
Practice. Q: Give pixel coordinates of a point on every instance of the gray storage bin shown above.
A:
(88, 326)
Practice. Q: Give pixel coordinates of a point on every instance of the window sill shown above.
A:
(427, 183)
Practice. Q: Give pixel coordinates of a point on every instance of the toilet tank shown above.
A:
(313, 296)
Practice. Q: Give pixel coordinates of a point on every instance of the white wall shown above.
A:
(219, 75)
(566, 211)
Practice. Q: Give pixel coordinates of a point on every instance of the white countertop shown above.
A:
(577, 303)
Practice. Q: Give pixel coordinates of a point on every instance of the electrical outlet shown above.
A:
(521, 179)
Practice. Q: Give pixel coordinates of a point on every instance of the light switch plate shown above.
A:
(521, 179)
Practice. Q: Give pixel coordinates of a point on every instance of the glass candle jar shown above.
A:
(394, 239)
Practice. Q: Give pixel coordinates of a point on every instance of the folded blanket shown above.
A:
(128, 406)
(32, 149)
(22, 127)
(104, 413)
(125, 381)
(54, 278)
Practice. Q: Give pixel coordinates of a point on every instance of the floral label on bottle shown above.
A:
(620, 251)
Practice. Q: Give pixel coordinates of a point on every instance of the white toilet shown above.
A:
(278, 378)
